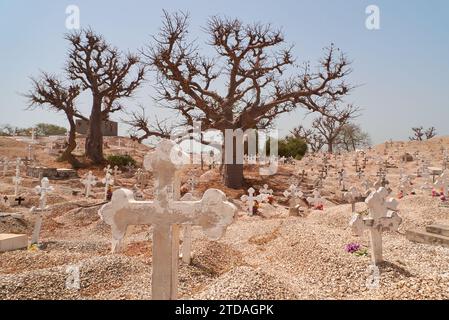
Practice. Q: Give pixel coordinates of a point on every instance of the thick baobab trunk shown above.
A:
(94, 140)
(71, 145)
(233, 172)
(233, 175)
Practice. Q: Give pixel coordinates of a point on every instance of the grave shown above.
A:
(51, 173)
(10, 242)
(382, 217)
(213, 213)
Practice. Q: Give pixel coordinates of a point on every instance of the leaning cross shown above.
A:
(443, 183)
(382, 217)
(213, 213)
(42, 190)
(89, 181)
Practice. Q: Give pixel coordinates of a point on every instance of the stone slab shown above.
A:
(438, 229)
(9, 242)
(427, 238)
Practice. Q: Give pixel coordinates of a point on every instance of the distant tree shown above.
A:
(315, 142)
(352, 137)
(49, 91)
(290, 146)
(97, 66)
(330, 127)
(7, 130)
(419, 133)
(430, 133)
(48, 129)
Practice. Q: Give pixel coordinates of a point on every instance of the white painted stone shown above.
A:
(10, 242)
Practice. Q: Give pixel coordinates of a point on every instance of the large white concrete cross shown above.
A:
(213, 213)
(382, 217)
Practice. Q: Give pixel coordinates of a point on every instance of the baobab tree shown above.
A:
(352, 137)
(244, 85)
(315, 141)
(330, 127)
(419, 133)
(49, 91)
(97, 66)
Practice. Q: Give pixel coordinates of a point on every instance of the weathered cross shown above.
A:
(17, 180)
(352, 195)
(250, 199)
(88, 181)
(116, 172)
(5, 165)
(107, 181)
(213, 213)
(41, 190)
(265, 192)
(382, 217)
(316, 201)
(443, 183)
(140, 178)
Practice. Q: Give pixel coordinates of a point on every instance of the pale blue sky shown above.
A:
(403, 68)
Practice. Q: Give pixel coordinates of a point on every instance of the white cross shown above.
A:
(41, 190)
(5, 165)
(351, 196)
(443, 183)
(116, 171)
(293, 192)
(213, 213)
(316, 201)
(191, 181)
(382, 217)
(250, 200)
(140, 178)
(30, 152)
(367, 184)
(107, 181)
(265, 192)
(108, 169)
(17, 180)
(405, 184)
(89, 181)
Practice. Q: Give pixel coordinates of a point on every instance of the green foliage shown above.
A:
(42, 129)
(120, 160)
(47, 129)
(290, 147)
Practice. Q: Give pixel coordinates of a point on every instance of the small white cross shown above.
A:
(250, 200)
(107, 181)
(41, 190)
(89, 181)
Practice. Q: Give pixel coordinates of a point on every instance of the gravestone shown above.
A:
(213, 213)
(250, 200)
(352, 195)
(42, 191)
(88, 181)
(107, 181)
(382, 217)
